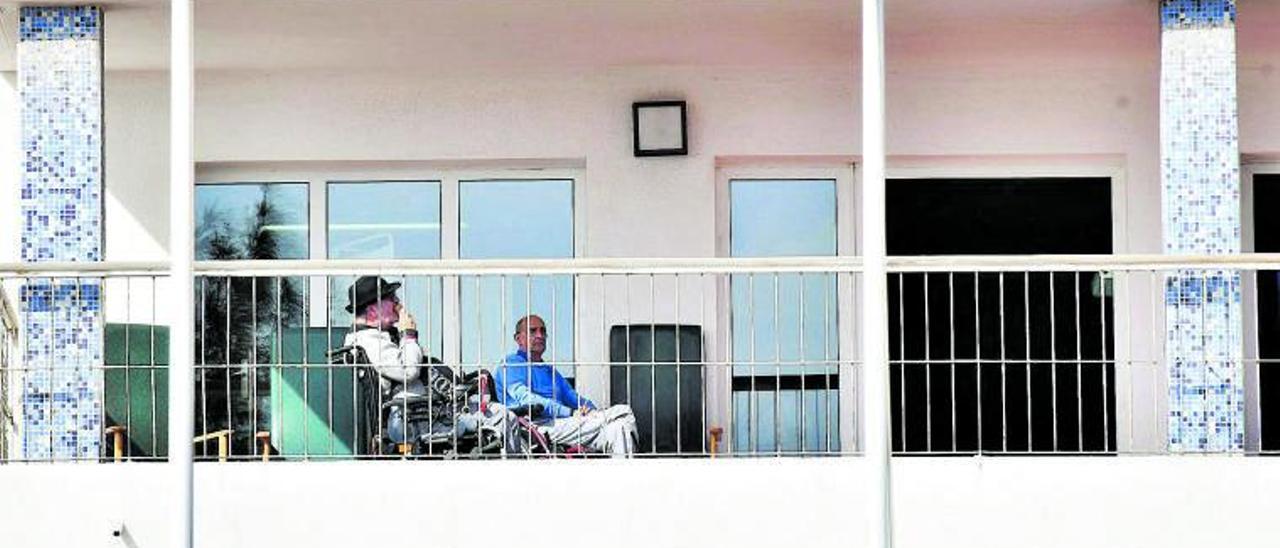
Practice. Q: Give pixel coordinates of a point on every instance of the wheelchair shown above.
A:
(452, 415)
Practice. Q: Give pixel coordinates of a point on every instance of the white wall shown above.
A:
(137, 165)
(653, 207)
(1169, 502)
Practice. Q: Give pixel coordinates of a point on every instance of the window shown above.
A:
(246, 221)
(1266, 197)
(384, 220)
(388, 220)
(515, 219)
(255, 333)
(784, 335)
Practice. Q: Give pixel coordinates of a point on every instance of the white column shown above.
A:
(181, 251)
(875, 319)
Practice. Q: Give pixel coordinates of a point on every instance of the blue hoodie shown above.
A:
(520, 382)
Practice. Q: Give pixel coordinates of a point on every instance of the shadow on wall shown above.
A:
(136, 141)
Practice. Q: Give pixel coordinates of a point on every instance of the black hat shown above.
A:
(368, 290)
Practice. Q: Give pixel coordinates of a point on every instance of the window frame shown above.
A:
(848, 193)
(1115, 168)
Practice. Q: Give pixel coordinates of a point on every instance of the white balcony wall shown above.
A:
(1064, 502)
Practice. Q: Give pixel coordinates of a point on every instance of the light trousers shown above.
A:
(611, 430)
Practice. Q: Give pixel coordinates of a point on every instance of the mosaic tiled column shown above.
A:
(1201, 197)
(60, 83)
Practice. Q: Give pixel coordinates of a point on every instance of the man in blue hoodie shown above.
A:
(523, 379)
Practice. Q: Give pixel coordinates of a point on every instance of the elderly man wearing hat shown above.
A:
(386, 332)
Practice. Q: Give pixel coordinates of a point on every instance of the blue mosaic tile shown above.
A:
(62, 406)
(60, 84)
(1200, 173)
(60, 23)
(1181, 14)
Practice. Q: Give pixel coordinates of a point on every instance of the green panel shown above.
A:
(136, 384)
(313, 407)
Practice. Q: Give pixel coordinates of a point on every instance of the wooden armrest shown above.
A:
(212, 435)
(264, 438)
(223, 437)
(117, 433)
(715, 432)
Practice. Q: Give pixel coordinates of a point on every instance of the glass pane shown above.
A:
(238, 320)
(492, 305)
(785, 338)
(384, 220)
(516, 219)
(510, 220)
(251, 221)
(389, 220)
(770, 218)
(786, 322)
(398, 219)
(423, 296)
(758, 429)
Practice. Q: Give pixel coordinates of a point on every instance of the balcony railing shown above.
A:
(714, 357)
(1084, 355)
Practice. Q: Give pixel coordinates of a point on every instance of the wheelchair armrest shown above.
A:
(410, 400)
(350, 354)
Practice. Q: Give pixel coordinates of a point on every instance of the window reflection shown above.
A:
(251, 221)
(242, 320)
(515, 220)
(785, 374)
(388, 220)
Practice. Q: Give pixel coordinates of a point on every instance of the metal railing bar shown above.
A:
(656, 265)
(527, 267)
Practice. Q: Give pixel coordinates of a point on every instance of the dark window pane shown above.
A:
(1045, 340)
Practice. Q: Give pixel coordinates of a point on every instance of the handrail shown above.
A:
(464, 267)
(71, 269)
(1048, 263)
(652, 265)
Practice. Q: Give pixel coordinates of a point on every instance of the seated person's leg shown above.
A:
(619, 432)
(577, 430)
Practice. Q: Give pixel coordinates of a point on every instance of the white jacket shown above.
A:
(399, 364)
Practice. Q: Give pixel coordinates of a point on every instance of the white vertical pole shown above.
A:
(181, 251)
(875, 319)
